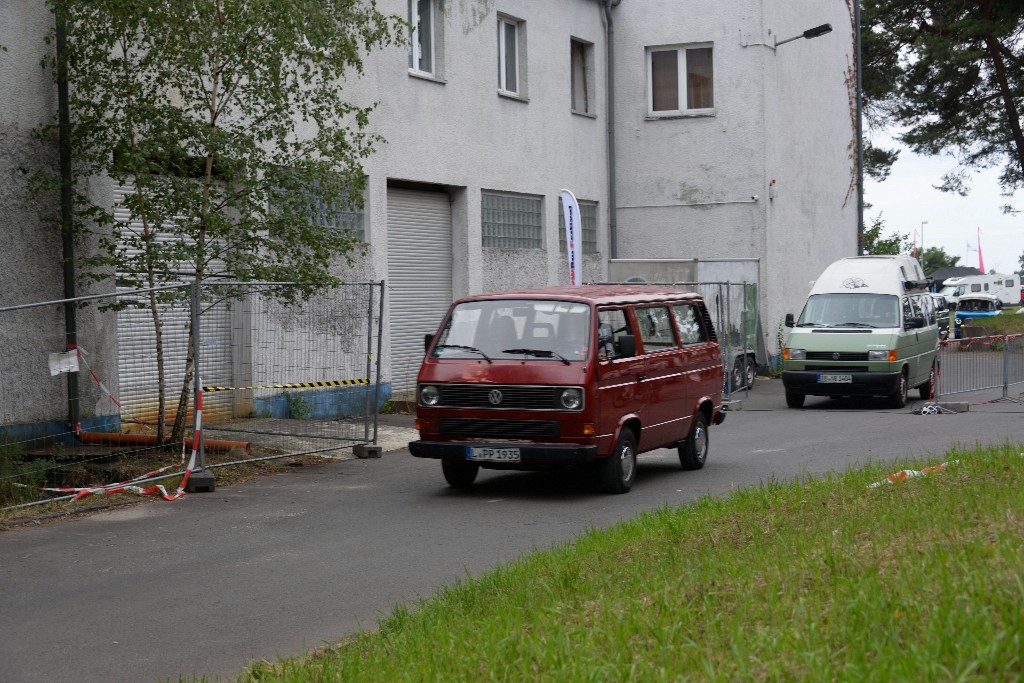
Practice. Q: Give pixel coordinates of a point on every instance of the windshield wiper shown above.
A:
(465, 348)
(858, 324)
(812, 325)
(540, 353)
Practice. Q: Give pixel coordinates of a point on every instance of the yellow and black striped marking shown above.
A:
(295, 385)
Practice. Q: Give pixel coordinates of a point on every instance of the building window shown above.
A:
(680, 80)
(511, 35)
(347, 215)
(423, 37)
(588, 224)
(581, 60)
(511, 221)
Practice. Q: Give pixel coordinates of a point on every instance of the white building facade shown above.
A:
(718, 146)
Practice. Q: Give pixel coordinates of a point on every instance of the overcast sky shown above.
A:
(907, 198)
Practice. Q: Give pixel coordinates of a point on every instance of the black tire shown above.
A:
(899, 398)
(694, 451)
(459, 474)
(618, 471)
(928, 387)
(751, 373)
(736, 376)
(795, 400)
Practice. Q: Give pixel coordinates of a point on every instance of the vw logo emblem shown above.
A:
(835, 356)
(494, 396)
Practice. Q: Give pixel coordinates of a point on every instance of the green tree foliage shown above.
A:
(951, 76)
(934, 258)
(224, 121)
(875, 244)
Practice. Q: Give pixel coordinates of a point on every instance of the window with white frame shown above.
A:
(588, 226)
(581, 64)
(423, 38)
(680, 79)
(511, 79)
(511, 221)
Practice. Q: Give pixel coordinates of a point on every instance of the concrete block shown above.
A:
(365, 450)
(203, 480)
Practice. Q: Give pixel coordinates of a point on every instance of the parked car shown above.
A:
(941, 315)
(972, 306)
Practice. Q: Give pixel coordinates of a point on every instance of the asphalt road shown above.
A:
(280, 565)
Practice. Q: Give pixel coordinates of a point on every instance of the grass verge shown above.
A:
(821, 579)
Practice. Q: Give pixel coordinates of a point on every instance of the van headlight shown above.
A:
(571, 398)
(878, 354)
(429, 395)
(796, 354)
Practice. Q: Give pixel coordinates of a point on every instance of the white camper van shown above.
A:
(1006, 288)
(868, 328)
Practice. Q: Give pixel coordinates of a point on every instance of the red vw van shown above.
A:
(557, 376)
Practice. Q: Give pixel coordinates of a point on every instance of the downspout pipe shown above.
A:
(613, 240)
(66, 219)
(860, 130)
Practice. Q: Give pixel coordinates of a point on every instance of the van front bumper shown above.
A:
(861, 384)
(529, 454)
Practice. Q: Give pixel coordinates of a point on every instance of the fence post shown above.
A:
(1006, 367)
(201, 479)
(380, 343)
(369, 344)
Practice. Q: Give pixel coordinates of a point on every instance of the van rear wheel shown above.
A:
(928, 387)
(694, 451)
(618, 471)
(459, 474)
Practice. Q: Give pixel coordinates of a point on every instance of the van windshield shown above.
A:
(850, 310)
(510, 329)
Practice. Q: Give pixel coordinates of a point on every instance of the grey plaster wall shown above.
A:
(30, 261)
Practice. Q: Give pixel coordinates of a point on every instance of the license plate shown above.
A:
(493, 454)
(835, 379)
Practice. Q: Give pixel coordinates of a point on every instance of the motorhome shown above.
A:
(550, 377)
(1006, 288)
(868, 328)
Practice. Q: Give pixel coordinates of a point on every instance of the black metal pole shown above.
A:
(67, 220)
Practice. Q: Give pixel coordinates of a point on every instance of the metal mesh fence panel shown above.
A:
(303, 371)
(981, 363)
(283, 375)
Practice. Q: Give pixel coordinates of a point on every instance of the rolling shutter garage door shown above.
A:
(419, 275)
(138, 388)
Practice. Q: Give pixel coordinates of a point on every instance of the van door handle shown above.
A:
(641, 378)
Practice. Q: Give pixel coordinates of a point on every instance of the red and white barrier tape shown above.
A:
(903, 475)
(80, 352)
(129, 485)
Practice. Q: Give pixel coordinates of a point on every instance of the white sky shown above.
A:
(908, 197)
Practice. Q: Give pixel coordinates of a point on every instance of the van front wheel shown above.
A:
(899, 399)
(795, 400)
(619, 469)
(459, 474)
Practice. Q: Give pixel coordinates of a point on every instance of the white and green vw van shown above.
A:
(868, 329)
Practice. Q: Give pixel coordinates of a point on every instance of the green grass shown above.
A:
(823, 579)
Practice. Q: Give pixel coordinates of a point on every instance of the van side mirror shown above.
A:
(789, 320)
(427, 339)
(627, 346)
(915, 322)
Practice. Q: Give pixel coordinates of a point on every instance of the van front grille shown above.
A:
(500, 429)
(497, 396)
(836, 368)
(835, 355)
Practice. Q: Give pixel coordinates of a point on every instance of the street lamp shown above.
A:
(923, 223)
(809, 33)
